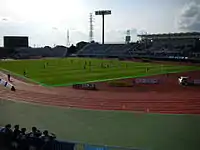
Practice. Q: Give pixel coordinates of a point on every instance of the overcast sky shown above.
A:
(46, 21)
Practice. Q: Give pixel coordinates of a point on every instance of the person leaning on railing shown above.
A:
(6, 133)
(35, 132)
(33, 138)
(23, 139)
(19, 139)
(48, 140)
(16, 133)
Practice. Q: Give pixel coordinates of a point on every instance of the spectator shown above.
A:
(23, 143)
(15, 141)
(46, 137)
(7, 135)
(35, 132)
(48, 144)
(16, 131)
(6, 129)
(33, 138)
(18, 139)
(22, 135)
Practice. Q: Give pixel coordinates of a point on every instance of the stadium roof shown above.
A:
(171, 35)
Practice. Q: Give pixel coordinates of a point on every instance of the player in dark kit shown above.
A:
(9, 78)
(147, 69)
(24, 72)
(13, 88)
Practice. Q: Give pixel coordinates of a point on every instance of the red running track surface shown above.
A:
(166, 97)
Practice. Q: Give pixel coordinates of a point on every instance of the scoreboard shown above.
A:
(15, 41)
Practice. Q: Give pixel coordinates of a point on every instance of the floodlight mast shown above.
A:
(103, 13)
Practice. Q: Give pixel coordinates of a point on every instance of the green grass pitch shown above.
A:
(67, 71)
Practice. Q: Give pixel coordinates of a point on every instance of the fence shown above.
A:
(84, 146)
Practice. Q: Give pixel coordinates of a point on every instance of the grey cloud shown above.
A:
(191, 10)
(4, 19)
(189, 19)
(196, 1)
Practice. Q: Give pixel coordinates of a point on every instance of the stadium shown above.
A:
(130, 91)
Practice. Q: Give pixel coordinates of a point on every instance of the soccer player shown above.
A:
(24, 72)
(13, 88)
(102, 66)
(9, 78)
(147, 69)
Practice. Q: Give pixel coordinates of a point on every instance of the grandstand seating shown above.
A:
(116, 50)
(93, 49)
(154, 46)
(59, 51)
(4, 52)
(106, 50)
(43, 52)
(150, 48)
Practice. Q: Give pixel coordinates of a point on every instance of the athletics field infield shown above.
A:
(67, 71)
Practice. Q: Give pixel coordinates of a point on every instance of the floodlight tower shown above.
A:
(128, 37)
(91, 33)
(103, 13)
(68, 42)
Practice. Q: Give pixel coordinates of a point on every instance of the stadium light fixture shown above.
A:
(103, 13)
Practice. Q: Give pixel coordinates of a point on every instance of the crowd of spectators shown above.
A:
(20, 139)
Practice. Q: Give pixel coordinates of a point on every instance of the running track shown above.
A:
(167, 97)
